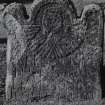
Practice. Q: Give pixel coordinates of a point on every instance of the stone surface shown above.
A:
(2, 72)
(3, 31)
(53, 57)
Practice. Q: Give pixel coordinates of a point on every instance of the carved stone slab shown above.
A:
(54, 57)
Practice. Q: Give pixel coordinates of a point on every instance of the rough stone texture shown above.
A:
(2, 72)
(53, 58)
(3, 31)
(79, 4)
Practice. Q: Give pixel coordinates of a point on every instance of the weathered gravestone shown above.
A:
(53, 57)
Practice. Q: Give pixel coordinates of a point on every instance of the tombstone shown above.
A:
(53, 57)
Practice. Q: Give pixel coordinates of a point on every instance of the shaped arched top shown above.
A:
(40, 5)
(17, 10)
(90, 8)
(92, 18)
(54, 18)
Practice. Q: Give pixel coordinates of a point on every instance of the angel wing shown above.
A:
(14, 19)
(93, 20)
(92, 49)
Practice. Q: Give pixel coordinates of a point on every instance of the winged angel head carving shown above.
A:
(53, 33)
(52, 26)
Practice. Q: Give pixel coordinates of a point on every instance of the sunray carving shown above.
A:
(62, 51)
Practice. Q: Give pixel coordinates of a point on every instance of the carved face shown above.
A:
(52, 19)
(57, 38)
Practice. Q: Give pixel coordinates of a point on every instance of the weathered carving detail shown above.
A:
(15, 44)
(58, 58)
(56, 38)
